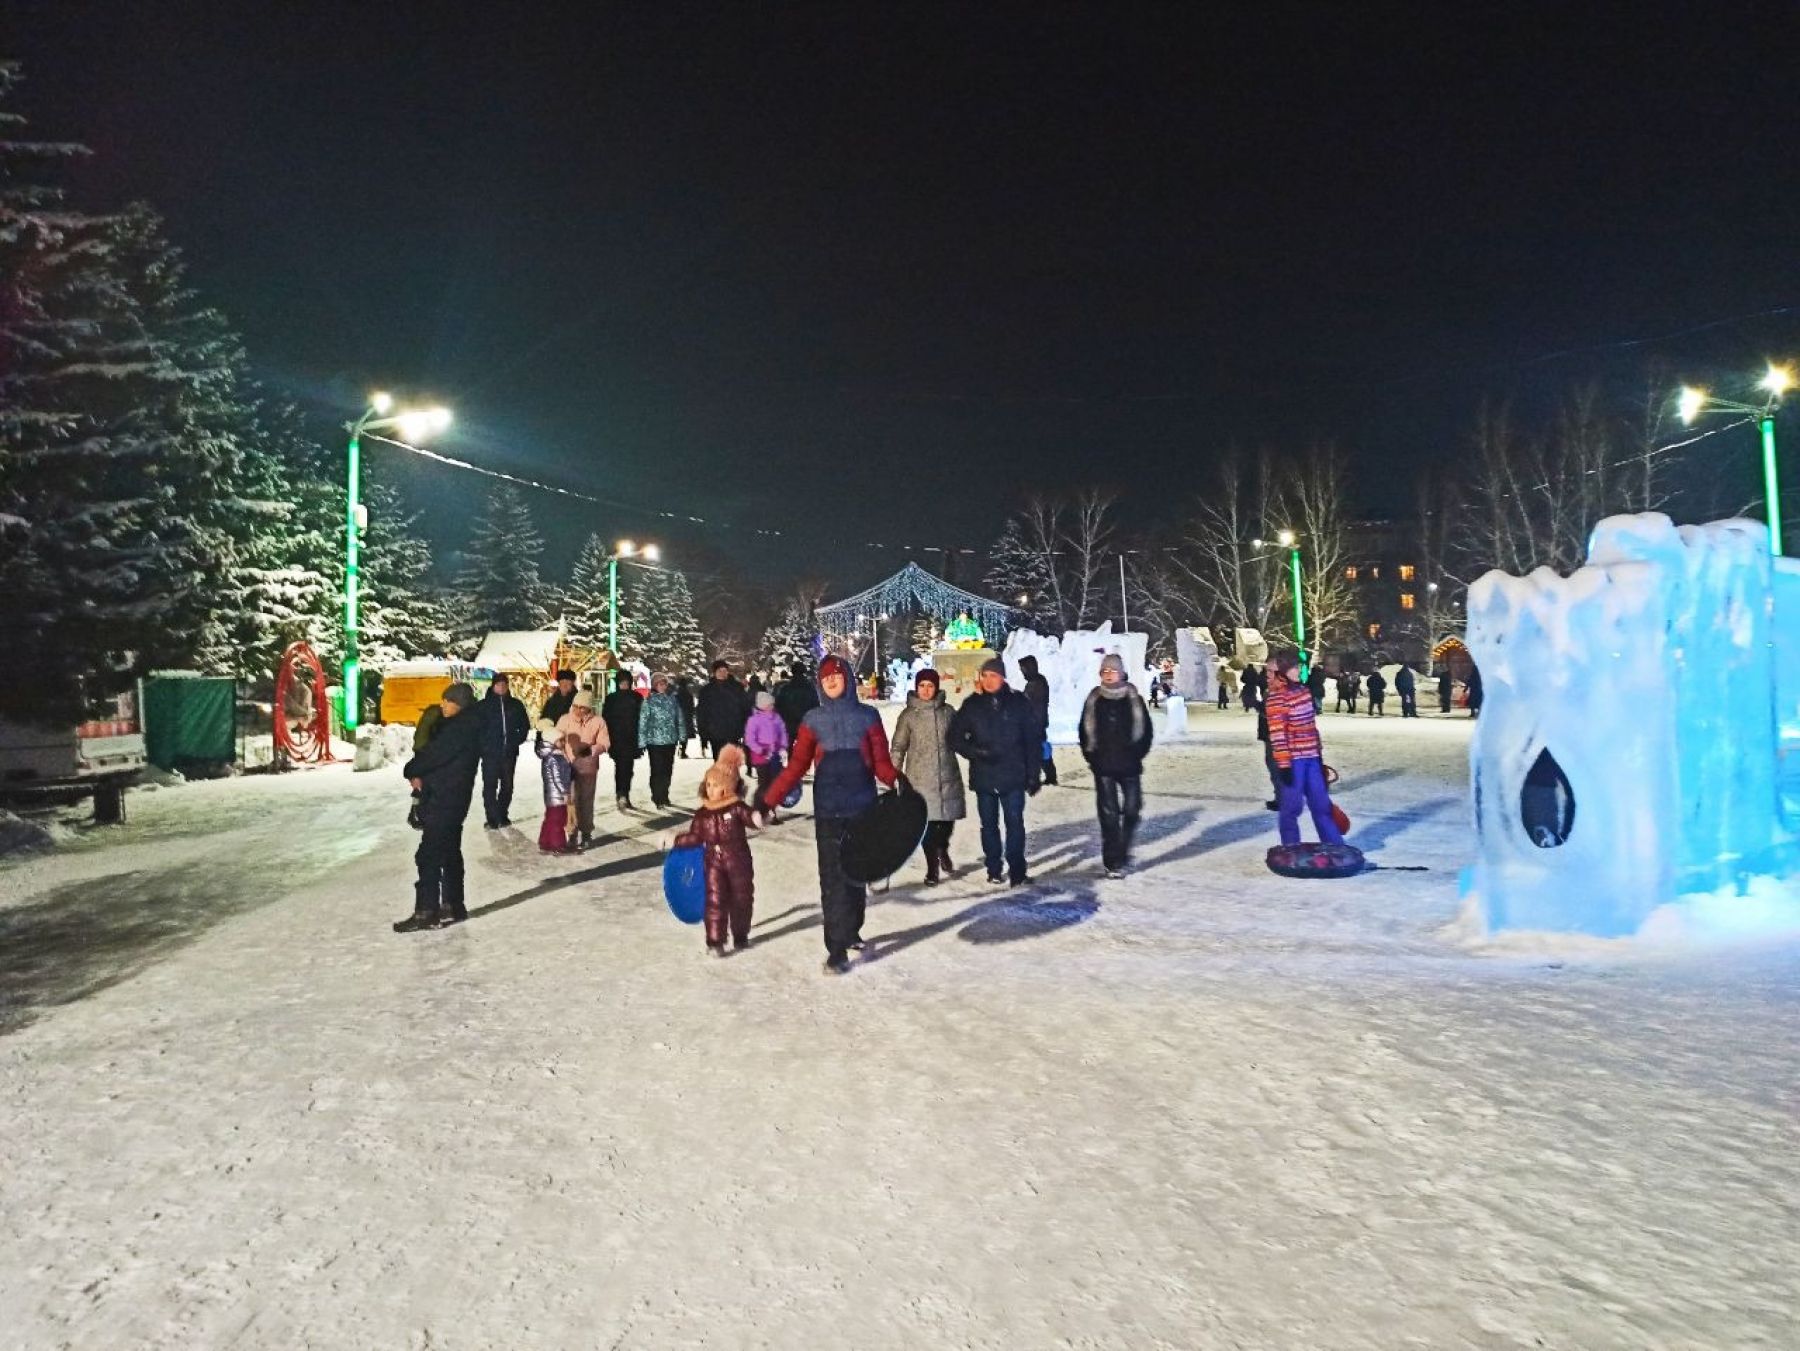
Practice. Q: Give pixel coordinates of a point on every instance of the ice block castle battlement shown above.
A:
(1631, 743)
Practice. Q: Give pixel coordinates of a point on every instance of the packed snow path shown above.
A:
(1201, 1107)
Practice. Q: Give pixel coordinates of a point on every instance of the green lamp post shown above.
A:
(624, 549)
(1289, 541)
(413, 425)
(1777, 381)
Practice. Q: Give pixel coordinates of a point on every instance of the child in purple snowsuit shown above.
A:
(766, 737)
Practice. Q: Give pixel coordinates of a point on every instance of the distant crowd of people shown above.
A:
(818, 726)
(804, 726)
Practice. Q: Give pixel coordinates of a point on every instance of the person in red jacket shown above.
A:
(723, 824)
(1298, 754)
(843, 743)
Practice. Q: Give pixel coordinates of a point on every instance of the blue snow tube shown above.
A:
(684, 883)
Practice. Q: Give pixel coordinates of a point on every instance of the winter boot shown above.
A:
(837, 965)
(419, 919)
(945, 866)
(931, 868)
(716, 949)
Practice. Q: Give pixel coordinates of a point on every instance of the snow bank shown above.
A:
(19, 836)
(382, 744)
(1766, 911)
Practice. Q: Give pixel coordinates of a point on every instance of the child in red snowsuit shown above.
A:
(723, 824)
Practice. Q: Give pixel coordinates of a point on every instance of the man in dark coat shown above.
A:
(1315, 686)
(1115, 738)
(620, 713)
(998, 733)
(1406, 686)
(1037, 690)
(684, 695)
(794, 700)
(443, 774)
(504, 726)
(1377, 688)
(1474, 691)
(721, 710)
(562, 699)
(1446, 690)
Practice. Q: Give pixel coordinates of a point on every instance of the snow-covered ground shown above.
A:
(1202, 1107)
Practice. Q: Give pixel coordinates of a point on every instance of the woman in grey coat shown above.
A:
(921, 751)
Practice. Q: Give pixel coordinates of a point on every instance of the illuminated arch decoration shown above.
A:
(302, 712)
(844, 624)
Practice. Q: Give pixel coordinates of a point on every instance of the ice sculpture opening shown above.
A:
(1547, 803)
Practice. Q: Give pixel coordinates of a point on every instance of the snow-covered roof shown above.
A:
(519, 650)
(417, 668)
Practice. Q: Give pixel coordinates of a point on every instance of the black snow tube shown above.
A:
(1315, 860)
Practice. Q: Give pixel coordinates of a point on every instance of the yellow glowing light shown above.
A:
(1688, 406)
(1778, 381)
(382, 402)
(652, 553)
(1287, 539)
(626, 548)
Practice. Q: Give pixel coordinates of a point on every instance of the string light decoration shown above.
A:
(843, 623)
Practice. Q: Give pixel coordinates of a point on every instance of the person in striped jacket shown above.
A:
(1298, 754)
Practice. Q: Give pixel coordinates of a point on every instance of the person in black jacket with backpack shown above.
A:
(504, 727)
(1115, 738)
(998, 733)
(444, 776)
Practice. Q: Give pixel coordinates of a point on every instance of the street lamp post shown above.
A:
(1291, 543)
(624, 549)
(1777, 381)
(413, 425)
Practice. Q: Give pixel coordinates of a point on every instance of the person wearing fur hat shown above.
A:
(723, 825)
(842, 742)
(922, 753)
(1115, 738)
(766, 738)
(590, 729)
(998, 732)
(443, 774)
(661, 729)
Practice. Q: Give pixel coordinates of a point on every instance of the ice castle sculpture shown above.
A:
(1630, 747)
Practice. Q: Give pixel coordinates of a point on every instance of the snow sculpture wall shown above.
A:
(1196, 665)
(1072, 666)
(1627, 751)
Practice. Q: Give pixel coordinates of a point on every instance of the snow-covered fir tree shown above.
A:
(788, 642)
(926, 634)
(501, 586)
(402, 615)
(665, 632)
(111, 462)
(586, 600)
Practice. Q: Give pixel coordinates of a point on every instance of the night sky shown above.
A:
(868, 272)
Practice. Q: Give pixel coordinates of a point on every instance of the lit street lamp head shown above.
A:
(1286, 538)
(652, 553)
(419, 424)
(382, 402)
(625, 548)
(1778, 381)
(1689, 404)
